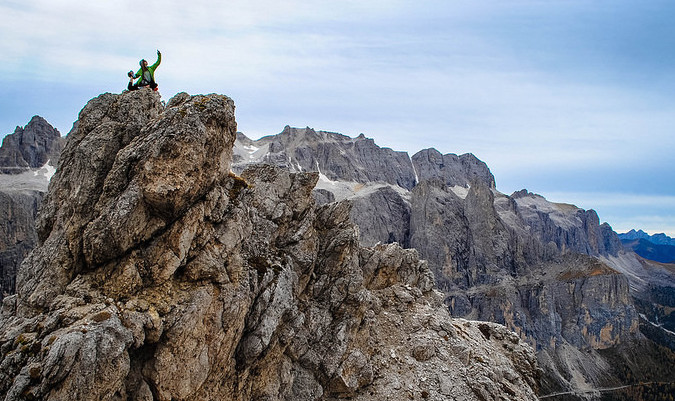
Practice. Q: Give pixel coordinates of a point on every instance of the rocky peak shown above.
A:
(161, 275)
(30, 147)
(456, 170)
(337, 157)
(660, 238)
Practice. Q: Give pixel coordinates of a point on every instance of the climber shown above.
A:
(146, 75)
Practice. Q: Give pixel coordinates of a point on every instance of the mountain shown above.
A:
(659, 239)
(159, 274)
(549, 271)
(27, 160)
(32, 146)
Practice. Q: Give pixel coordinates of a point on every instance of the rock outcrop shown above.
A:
(162, 276)
(30, 147)
(452, 169)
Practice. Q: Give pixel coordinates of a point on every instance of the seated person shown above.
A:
(146, 75)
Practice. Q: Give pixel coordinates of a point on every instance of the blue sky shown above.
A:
(570, 99)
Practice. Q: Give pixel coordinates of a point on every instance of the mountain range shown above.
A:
(659, 239)
(141, 186)
(657, 247)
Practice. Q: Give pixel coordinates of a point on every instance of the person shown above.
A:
(146, 75)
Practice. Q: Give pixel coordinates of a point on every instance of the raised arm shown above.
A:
(159, 60)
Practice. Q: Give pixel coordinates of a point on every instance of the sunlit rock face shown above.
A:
(161, 275)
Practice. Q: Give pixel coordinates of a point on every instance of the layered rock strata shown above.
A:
(160, 275)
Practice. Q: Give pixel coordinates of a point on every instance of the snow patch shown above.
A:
(563, 215)
(47, 171)
(326, 180)
(460, 191)
(417, 178)
(350, 189)
(250, 153)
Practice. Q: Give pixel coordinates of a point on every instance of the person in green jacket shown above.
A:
(146, 75)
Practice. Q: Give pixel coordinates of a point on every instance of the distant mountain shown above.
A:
(660, 239)
(32, 146)
(650, 250)
(27, 160)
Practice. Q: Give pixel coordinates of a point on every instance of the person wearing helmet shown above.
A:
(145, 75)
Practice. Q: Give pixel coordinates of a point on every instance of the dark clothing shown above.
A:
(133, 87)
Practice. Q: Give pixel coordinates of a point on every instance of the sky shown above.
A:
(573, 100)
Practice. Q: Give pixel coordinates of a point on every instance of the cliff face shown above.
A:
(17, 233)
(162, 276)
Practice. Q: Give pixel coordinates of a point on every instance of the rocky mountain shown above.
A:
(550, 272)
(27, 160)
(32, 146)
(160, 275)
(659, 239)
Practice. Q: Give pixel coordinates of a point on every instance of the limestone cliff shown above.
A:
(162, 276)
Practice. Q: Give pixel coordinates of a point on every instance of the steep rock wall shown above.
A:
(18, 210)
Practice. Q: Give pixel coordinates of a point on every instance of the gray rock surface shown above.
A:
(24, 177)
(337, 156)
(452, 169)
(30, 147)
(341, 158)
(159, 275)
(382, 214)
(17, 233)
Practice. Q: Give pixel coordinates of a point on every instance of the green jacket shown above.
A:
(151, 70)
